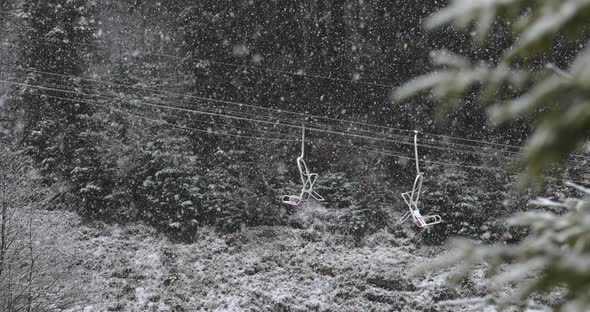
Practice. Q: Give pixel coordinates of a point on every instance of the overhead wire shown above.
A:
(280, 111)
(297, 126)
(127, 86)
(512, 155)
(421, 145)
(394, 141)
(137, 116)
(208, 131)
(164, 122)
(113, 98)
(235, 116)
(382, 152)
(189, 110)
(225, 102)
(217, 133)
(519, 148)
(295, 123)
(291, 73)
(240, 105)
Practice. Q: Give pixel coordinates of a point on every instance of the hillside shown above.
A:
(133, 268)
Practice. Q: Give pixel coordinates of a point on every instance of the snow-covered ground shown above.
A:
(133, 268)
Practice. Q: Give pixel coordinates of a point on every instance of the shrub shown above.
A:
(34, 255)
(337, 189)
(165, 191)
(471, 205)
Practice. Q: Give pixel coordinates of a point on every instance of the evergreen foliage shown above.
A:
(57, 129)
(473, 206)
(337, 188)
(167, 193)
(516, 84)
(553, 258)
(370, 208)
(227, 194)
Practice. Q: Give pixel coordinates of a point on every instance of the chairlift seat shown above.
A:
(307, 181)
(293, 200)
(425, 221)
(412, 197)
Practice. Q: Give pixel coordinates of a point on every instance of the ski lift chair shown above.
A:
(411, 198)
(307, 180)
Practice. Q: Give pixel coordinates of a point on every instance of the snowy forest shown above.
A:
(314, 155)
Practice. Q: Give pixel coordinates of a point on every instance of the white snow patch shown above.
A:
(140, 297)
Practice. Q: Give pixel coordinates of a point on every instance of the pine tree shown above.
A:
(227, 195)
(59, 130)
(55, 122)
(166, 188)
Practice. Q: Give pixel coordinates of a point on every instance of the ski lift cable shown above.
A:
(268, 109)
(241, 113)
(426, 161)
(233, 103)
(189, 128)
(112, 97)
(209, 99)
(423, 145)
(256, 120)
(236, 103)
(115, 109)
(264, 108)
(242, 136)
(381, 152)
(386, 153)
(164, 122)
(311, 76)
(347, 130)
(306, 115)
(209, 113)
(189, 110)
(248, 119)
(442, 164)
(241, 105)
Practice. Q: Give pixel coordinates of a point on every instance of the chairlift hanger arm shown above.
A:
(416, 151)
(302, 140)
